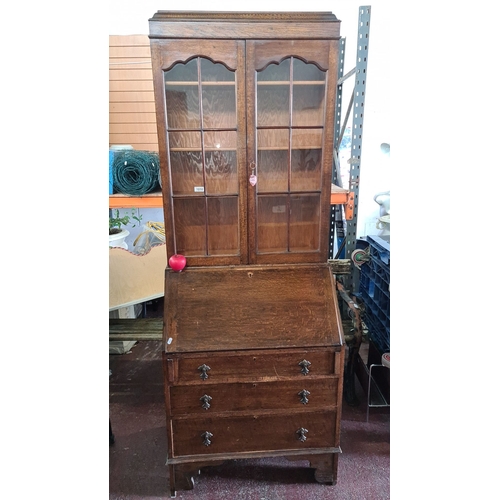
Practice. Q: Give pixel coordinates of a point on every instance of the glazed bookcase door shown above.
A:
(201, 124)
(290, 129)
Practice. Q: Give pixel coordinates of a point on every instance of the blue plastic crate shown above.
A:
(374, 290)
(378, 333)
(380, 248)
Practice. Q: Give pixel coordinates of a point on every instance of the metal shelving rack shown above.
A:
(343, 228)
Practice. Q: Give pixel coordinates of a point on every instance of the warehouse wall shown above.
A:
(132, 121)
(132, 117)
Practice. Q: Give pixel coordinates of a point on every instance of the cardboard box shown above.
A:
(136, 278)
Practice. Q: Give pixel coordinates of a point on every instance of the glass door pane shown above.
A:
(182, 96)
(272, 223)
(186, 164)
(290, 122)
(202, 139)
(223, 226)
(273, 95)
(304, 223)
(306, 160)
(221, 168)
(190, 226)
(272, 160)
(308, 90)
(218, 95)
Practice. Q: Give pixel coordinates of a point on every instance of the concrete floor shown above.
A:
(137, 458)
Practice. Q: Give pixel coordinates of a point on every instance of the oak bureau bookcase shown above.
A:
(253, 343)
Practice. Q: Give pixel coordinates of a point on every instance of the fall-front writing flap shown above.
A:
(250, 307)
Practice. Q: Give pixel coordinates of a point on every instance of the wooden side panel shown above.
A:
(132, 117)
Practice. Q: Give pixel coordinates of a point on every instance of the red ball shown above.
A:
(177, 262)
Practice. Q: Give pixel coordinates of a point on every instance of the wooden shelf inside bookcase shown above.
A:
(338, 196)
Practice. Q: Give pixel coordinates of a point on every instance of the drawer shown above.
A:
(299, 393)
(251, 365)
(296, 431)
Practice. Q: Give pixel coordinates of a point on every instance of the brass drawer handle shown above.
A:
(305, 366)
(303, 396)
(302, 434)
(206, 438)
(205, 399)
(204, 369)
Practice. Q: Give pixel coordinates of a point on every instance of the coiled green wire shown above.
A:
(136, 172)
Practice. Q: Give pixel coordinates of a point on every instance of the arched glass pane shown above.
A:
(181, 94)
(215, 72)
(218, 95)
(308, 107)
(273, 95)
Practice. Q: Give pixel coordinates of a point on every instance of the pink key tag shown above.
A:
(253, 179)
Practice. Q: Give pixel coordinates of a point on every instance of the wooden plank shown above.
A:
(127, 40)
(132, 118)
(132, 128)
(133, 138)
(139, 146)
(131, 85)
(129, 52)
(131, 73)
(132, 107)
(130, 65)
(136, 329)
(131, 96)
(340, 266)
